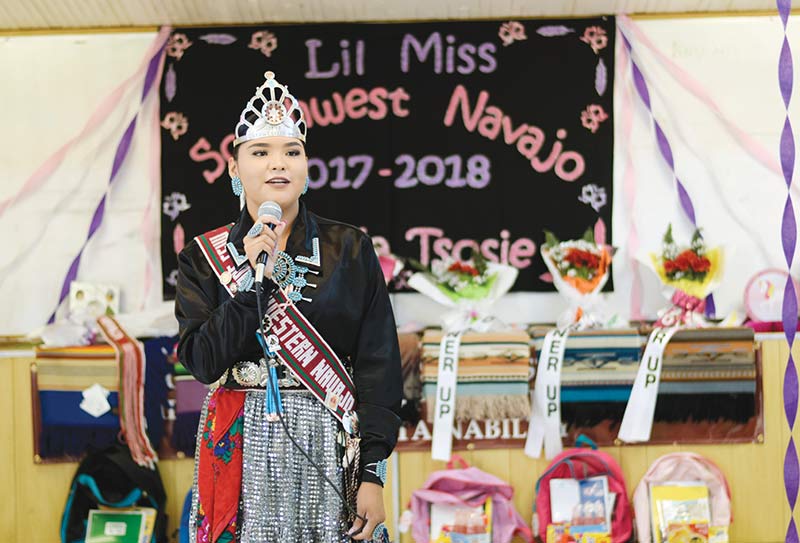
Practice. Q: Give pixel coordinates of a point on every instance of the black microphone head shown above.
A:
(273, 209)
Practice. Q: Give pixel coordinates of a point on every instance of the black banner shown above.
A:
(437, 137)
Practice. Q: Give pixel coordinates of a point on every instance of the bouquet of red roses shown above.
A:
(470, 287)
(691, 272)
(691, 263)
(579, 269)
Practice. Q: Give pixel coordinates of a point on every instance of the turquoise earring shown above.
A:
(236, 186)
(305, 189)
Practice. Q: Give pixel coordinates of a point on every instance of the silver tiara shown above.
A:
(272, 111)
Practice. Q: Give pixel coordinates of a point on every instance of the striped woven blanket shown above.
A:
(58, 378)
(708, 374)
(493, 373)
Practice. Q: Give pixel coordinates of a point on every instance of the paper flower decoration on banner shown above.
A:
(174, 204)
(470, 287)
(595, 37)
(592, 116)
(510, 32)
(580, 269)
(176, 123)
(264, 41)
(690, 273)
(552, 31)
(219, 39)
(170, 83)
(177, 44)
(594, 196)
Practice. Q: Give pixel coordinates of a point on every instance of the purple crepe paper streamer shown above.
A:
(791, 466)
(666, 151)
(119, 157)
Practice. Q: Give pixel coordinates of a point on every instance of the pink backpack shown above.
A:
(582, 464)
(683, 466)
(468, 487)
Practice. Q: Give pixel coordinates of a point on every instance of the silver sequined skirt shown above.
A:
(284, 499)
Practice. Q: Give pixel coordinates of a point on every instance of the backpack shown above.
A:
(110, 477)
(683, 466)
(186, 515)
(582, 464)
(469, 487)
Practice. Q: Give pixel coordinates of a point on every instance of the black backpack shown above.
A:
(110, 477)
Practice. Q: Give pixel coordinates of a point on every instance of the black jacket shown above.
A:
(350, 308)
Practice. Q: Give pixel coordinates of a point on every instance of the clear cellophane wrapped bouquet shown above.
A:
(469, 287)
(579, 269)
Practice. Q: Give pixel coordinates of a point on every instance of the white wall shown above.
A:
(53, 83)
(738, 201)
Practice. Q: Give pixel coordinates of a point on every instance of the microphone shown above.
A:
(271, 209)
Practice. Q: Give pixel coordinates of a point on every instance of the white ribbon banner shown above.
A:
(545, 422)
(442, 442)
(637, 423)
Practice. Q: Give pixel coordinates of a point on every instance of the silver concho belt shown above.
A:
(251, 374)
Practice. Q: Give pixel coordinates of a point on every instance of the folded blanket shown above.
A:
(493, 374)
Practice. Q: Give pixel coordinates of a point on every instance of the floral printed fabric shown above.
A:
(220, 467)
